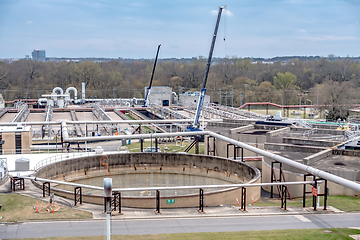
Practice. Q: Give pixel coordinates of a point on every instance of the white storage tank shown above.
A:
(22, 164)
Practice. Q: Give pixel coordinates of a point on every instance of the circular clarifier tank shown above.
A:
(141, 170)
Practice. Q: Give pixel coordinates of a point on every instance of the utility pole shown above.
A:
(180, 88)
(220, 97)
(212, 95)
(114, 92)
(226, 103)
(300, 95)
(241, 95)
(317, 100)
(232, 98)
(245, 85)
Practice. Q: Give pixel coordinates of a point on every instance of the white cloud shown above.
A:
(327, 38)
(225, 12)
(29, 22)
(228, 13)
(302, 30)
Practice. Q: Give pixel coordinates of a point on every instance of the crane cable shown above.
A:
(225, 28)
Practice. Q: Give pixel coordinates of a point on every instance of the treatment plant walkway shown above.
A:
(180, 220)
(138, 213)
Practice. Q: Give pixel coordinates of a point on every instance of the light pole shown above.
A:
(300, 95)
(241, 96)
(107, 196)
(232, 98)
(245, 85)
(220, 98)
(225, 98)
(310, 104)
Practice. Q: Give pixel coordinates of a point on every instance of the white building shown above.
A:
(161, 96)
(190, 99)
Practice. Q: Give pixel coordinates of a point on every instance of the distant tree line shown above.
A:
(320, 81)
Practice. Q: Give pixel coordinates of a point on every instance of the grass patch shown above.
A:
(17, 207)
(337, 233)
(345, 203)
(342, 202)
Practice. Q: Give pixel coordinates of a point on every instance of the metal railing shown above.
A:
(67, 156)
(48, 117)
(167, 113)
(309, 132)
(101, 115)
(304, 123)
(22, 113)
(244, 114)
(352, 134)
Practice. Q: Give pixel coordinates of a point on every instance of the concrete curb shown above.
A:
(159, 217)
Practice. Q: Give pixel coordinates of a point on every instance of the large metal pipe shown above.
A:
(112, 122)
(134, 136)
(62, 182)
(65, 132)
(314, 171)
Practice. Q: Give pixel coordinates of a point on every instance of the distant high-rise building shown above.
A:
(38, 55)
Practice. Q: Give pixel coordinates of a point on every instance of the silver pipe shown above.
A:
(136, 136)
(212, 186)
(316, 172)
(173, 187)
(110, 122)
(65, 132)
(61, 182)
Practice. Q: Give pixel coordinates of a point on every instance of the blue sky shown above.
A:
(133, 29)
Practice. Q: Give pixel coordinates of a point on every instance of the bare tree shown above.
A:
(336, 98)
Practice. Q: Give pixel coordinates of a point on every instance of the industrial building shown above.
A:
(38, 55)
(15, 139)
(190, 99)
(161, 96)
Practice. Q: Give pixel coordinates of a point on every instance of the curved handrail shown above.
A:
(66, 156)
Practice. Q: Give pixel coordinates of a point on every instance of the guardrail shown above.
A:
(2, 112)
(21, 113)
(66, 156)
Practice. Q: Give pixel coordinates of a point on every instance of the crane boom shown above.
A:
(203, 89)
(152, 76)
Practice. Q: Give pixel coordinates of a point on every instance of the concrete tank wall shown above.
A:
(221, 146)
(292, 174)
(210, 166)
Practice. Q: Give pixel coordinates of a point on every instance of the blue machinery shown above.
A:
(195, 126)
